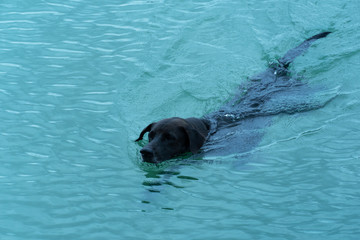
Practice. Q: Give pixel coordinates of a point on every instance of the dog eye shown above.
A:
(168, 136)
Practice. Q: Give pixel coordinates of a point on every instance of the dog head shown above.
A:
(171, 137)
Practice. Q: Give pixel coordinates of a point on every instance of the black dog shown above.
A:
(269, 93)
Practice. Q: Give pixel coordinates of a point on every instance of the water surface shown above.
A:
(80, 79)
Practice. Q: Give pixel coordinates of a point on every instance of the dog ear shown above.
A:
(147, 129)
(196, 139)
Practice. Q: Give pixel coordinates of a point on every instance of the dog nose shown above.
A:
(147, 154)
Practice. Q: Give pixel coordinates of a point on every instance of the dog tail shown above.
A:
(293, 53)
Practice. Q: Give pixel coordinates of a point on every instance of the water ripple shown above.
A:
(80, 78)
(34, 13)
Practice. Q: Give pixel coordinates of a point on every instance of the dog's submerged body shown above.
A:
(238, 125)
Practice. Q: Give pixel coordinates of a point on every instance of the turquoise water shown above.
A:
(80, 79)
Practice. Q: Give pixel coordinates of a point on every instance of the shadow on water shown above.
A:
(162, 173)
(161, 179)
(158, 177)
